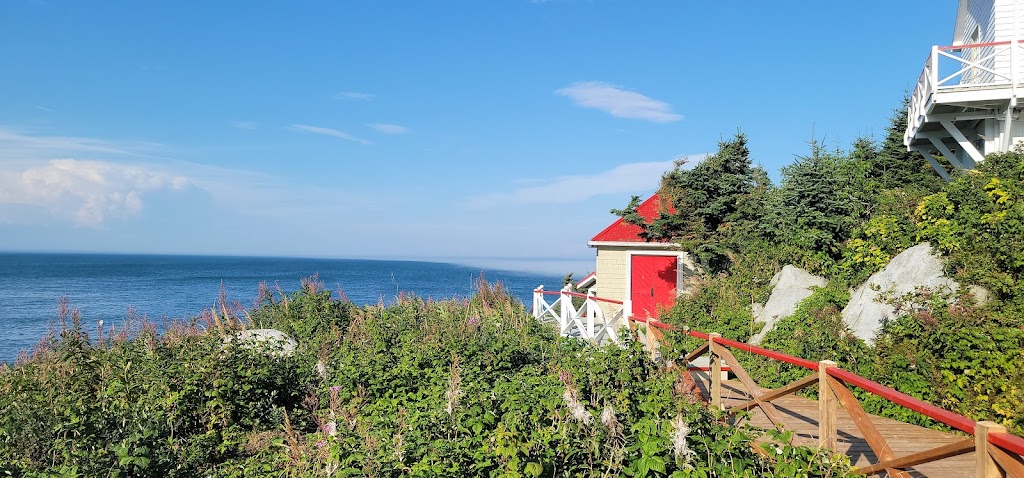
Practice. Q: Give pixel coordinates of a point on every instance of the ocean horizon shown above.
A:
(161, 287)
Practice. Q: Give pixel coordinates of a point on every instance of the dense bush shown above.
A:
(845, 216)
(418, 388)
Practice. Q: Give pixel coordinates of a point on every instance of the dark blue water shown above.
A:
(103, 287)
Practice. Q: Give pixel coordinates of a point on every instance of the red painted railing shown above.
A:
(577, 294)
(1005, 441)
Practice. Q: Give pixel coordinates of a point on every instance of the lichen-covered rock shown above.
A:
(789, 286)
(271, 341)
(911, 269)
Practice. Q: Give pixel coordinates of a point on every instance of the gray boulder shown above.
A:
(789, 286)
(271, 341)
(911, 269)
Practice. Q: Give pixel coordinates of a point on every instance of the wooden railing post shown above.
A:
(987, 466)
(716, 372)
(827, 408)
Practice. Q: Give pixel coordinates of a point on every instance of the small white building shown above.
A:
(644, 276)
(965, 103)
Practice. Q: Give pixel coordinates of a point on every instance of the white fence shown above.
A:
(589, 321)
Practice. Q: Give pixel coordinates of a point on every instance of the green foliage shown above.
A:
(821, 199)
(716, 204)
(872, 246)
(815, 331)
(420, 388)
(893, 167)
(946, 350)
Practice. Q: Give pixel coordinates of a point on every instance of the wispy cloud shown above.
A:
(353, 96)
(618, 101)
(88, 182)
(330, 132)
(624, 179)
(388, 128)
(245, 124)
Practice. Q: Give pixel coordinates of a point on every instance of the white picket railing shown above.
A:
(588, 322)
(978, 65)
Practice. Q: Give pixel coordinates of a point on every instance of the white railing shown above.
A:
(978, 65)
(588, 322)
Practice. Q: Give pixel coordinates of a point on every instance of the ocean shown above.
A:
(105, 286)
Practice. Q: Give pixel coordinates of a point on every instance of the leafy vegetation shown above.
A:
(420, 388)
(844, 215)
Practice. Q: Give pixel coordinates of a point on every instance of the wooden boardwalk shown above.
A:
(801, 417)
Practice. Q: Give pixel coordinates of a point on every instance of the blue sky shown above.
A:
(475, 131)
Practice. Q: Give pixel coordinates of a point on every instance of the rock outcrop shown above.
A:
(913, 268)
(789, 286)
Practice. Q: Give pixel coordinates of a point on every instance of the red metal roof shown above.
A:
(622, 231)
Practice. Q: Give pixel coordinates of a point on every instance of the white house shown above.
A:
(642, 275)
(965, 103)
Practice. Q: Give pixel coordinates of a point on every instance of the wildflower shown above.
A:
(454, 391)
(474, 320)
(608, 418)
(680, 431)
(321, 444)
(321, 369)
(330, 428)
(578, 411)
(335, 388)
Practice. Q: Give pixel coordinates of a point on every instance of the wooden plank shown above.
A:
(827, 405)
(801, 416)
(754, 390)
(1011, 463)
(863, 423)
(703, 349)
(934, 454)
(986, 464)
(716, 372)
(782, 391)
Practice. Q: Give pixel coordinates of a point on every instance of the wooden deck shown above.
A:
(801, 417)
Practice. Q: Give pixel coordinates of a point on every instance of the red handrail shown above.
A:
(577, 294)
(975, 45)
(1005, 441)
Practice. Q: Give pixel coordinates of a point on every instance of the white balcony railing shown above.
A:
(588, 322)
(964, 67)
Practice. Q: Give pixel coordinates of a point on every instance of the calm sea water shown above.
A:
(103, 287)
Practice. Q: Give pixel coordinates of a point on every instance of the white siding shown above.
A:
(981, 18)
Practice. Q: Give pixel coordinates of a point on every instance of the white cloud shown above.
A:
(353, 96)
(330, 132)
(85, 191)
(74, 178)
(618, 101)
(628, 178)
(388, 128)
(88, 181)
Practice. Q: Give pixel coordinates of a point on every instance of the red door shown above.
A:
(653, 284)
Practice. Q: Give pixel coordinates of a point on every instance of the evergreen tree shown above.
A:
(893, 167)
(819, 202)
(714, 205)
